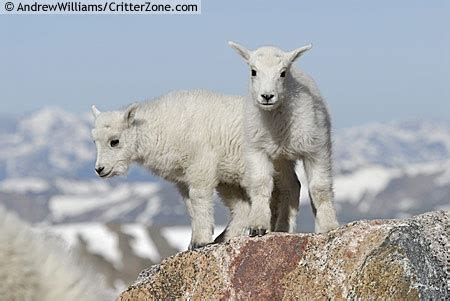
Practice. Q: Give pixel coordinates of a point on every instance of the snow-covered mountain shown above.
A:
(392, 144)
(47, 143)
(50, 143)
(47, 160)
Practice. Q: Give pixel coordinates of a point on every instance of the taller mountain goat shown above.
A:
(286, 120)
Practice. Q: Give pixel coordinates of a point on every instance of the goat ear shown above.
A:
(130, 113)
(95, 111)
(244, 52)
(295, 54)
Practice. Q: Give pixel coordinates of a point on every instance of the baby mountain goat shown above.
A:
(193, 139)
(286, 120)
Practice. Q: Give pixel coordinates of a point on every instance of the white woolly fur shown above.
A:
(193, 139)
(286, 120)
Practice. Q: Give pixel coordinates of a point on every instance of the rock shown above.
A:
(403, 259)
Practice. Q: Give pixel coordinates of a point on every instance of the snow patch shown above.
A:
(406, 204)
(63, 206)
(24, 185)
(444, 178)
(82, 187)
(142, 245)
(99, 239)
(144, 189)
(180, 236)
(152, 209)
(371, 179)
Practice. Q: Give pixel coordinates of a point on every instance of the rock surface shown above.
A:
(380, 259)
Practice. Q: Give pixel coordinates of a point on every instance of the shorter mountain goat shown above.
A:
(286, 120)
(193, 139)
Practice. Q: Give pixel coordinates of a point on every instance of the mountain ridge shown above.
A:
(406, 161)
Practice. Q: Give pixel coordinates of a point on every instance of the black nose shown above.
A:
(99, 170)
(267, 97)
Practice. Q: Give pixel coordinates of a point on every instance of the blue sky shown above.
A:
(373, 61)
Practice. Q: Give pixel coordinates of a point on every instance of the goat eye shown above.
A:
(114, 143)
(253, 72)
(283, 74)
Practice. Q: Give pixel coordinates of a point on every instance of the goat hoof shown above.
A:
(195, 246)
(257, 232)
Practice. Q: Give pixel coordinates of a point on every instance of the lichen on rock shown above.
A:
(402, 259)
